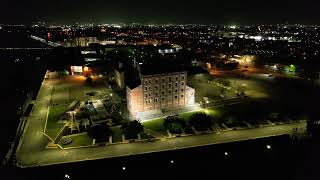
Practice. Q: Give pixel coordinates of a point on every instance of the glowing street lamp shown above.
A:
(85, 68)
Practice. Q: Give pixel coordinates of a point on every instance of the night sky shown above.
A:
(161, 11)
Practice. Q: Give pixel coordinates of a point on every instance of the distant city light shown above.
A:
(226, 153)
(233, 27)
(123, 168)
(171, 161)
(268, 147)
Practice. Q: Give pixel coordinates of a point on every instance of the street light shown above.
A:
(268, 147)
(67, 176)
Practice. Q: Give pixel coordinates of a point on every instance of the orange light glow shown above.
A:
(85, 68)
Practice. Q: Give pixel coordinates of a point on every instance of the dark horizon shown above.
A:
(160, 12)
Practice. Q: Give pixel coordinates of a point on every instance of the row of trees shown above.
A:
(200, 121)
(102, 132)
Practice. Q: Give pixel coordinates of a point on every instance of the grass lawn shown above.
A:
(116, 134)
(55, 112)
(145, 136)
(156, 125)
(79, 140)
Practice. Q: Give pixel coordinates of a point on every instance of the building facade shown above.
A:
(167, 91)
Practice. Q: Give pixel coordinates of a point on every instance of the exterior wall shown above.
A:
(134, 100)
(119, 76)
(164, 91)
(190, 96)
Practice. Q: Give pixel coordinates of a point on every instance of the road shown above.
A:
(32, 151)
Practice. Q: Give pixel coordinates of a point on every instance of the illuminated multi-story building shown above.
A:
(160, 89)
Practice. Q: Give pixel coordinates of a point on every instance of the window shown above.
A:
(156, 80)
(149, 94)
(162, 99)
(149, 100)
(181, 90)
(156, 100)
(170, 79)
(169, 92)
(146, 95)
(176, 84)
(182, 84)
(156, 94)
(182, 77)
(149, 88)
(169, 85)
(177, 78)
(176, 97)
(146, 82)
(146, 88)
(162, 80)
(162, 92)
(156, 87)
(182, 95)
(150, 81)
(146, 102)
(176, 90)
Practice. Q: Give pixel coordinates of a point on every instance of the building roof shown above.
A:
(160, 68)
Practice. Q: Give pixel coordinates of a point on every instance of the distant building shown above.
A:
(80, 41)
(160, 89)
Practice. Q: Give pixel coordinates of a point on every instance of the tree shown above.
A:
(99, 132)
(132, 128)
(201, 121)
(89, 80)
(174, 124)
